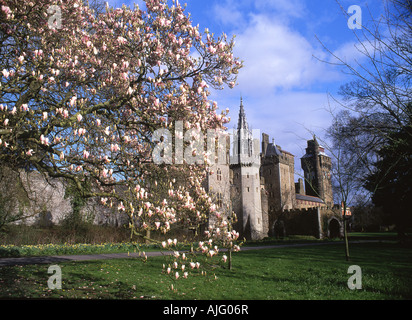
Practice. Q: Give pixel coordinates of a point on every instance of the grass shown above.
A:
(20, 235)
(7, 251)
(315, 272)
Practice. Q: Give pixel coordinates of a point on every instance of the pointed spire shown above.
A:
(242, 124)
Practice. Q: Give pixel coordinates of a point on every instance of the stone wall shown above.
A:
(317, 222)
(45, 203)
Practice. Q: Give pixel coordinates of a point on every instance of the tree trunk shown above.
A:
(345, 234)
(230, 259)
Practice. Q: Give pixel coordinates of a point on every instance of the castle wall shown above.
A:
(318, 222)
(287, 185)
(218, 185)
(265, 207)
(270, 171)
(326, 181)
(47, 205)
(302, 222)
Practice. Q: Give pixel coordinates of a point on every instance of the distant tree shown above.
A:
(376, 103)
(391, 182)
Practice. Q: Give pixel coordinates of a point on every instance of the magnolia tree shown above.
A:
(82, 93)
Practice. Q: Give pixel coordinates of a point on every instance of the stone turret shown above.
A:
(317, 166)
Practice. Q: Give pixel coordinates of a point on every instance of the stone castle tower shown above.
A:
(245, 171)
(317, 167)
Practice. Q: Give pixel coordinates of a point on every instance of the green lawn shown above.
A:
(315, 272)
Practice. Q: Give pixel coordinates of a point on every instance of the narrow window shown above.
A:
(219, 174)
(220, 200)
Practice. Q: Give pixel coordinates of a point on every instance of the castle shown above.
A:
(259, 186)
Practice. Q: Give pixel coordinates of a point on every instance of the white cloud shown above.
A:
(276, 57)
(228, 14)
(353, 53)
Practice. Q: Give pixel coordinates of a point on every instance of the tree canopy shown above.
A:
(81, 93)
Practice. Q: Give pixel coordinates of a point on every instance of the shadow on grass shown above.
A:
(111, 279)
(9, 253)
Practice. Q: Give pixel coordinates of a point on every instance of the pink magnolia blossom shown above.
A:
(44, 140)
(121, 207)
(5, 9)
(6, 73)
(73, 101)
(121, 40)
(114, 147)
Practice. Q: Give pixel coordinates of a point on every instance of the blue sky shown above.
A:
(284, 87)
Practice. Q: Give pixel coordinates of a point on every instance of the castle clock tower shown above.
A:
(317, 168)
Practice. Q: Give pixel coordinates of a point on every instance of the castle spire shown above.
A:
(242, 123)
